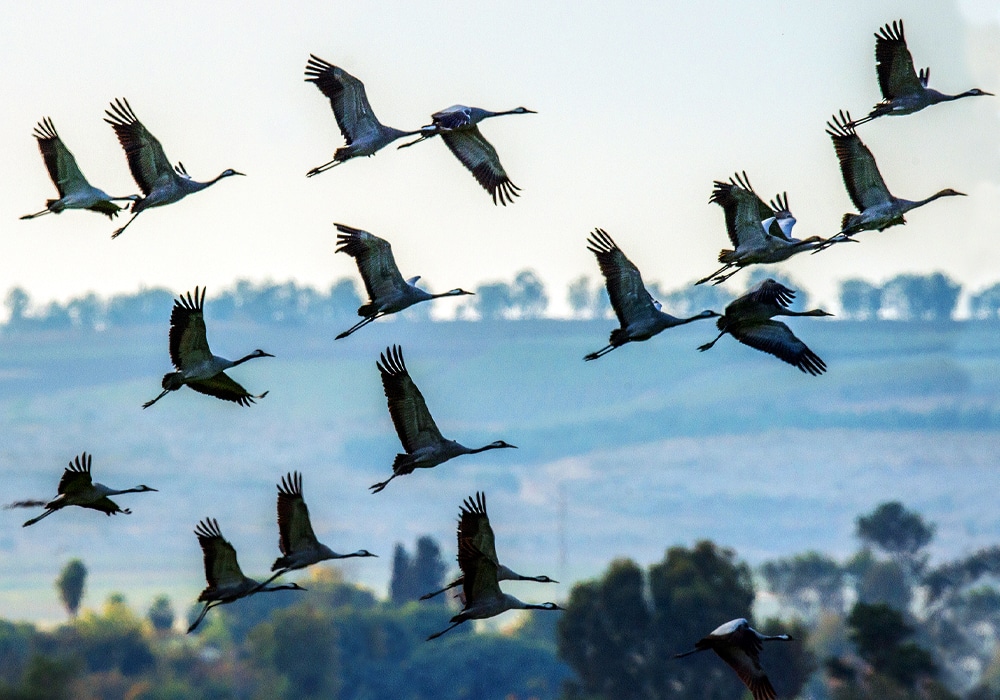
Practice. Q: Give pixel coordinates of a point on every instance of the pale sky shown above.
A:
(639, 110)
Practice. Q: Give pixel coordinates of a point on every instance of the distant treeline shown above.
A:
(907, 297)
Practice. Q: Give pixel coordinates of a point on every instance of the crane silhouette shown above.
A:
(639, 315)
(474, 526)
(904, 91)
(361, 129)
(387, 291)
(748, 319)
(77, 488)
(878, 208)
(196, 366)
(457, 126)
(760, 233)
(739, 645)
(160, 182)
(74, 190)
(481, 589)
(425, 446)
(226, 581)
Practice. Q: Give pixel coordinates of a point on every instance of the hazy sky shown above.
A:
(638, 112)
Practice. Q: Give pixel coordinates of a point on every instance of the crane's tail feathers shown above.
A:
(162, 394)
(201, 616)
(447, 629)
(323, 168)
(357, 326)
(600, 353)
(36, 214)
(46, 514)
(120, 231)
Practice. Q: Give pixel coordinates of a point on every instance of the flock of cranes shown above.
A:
(760, 233)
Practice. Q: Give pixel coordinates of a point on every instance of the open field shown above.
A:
(654, 445)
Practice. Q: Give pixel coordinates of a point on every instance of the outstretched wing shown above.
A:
(413, 422)
(347, 97)
(770, 291)
(894, 64)
(77, 475)
(375, 261)
(293, 515)
(221, 567)
(744, 211)
(454, 117)
(59, 161)
(222, 386)
(479, 573)
(628, 294)
(145, 155)
(862, 179)
(474, 526)
(479, 156)
(775, 338)
(188, 340)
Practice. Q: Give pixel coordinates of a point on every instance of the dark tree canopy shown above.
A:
(413, 576)
(894, 529)
(70, 584)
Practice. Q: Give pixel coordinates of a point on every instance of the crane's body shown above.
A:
(474, 526)
(363, 132)
(160, 182)
(76, 488)
(878, 208)
(748, 320)
(760, 232)
(739, 645)
(226, 581)
(388, 292)
(194, 362)
(425, 446)
(639, 315)
(904, 90)
(75, 192)
(457, 127)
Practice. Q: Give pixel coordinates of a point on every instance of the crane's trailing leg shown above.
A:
(600, 353)
(375, 488)
(36, 214)
(47, 513)
(323, 168)
(717, 272)
(360, 324)
(162, 394)
(428, 596)
(438, 634)
(706, 346)
(122, 229)
(204, 611)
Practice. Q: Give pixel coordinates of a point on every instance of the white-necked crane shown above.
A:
(481, 589)
(160, 182)
(760, 233)
(457, 125)
(74, 190)
(878, 208)
(425, 446)
(196, 366)
(474, 526)
(739, 645)
(77, 488)
(638, 313)
(298, 544)
(904, 91)
(387, 291)
(226, 581)
(361, 129)
(748, 319)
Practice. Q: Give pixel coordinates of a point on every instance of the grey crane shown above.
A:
(748, 319)
(457, 125)
(74, 190)
(760, 233)
(878, 208)
(474, 526)
(226, 581)
(298, 543)
(739, 645)
(425, 446)
(481, 589)
(196, 366)
(904, 91)
(638, 313)
(77, 488)
(361, 129)
(160, 182)
(387, 291)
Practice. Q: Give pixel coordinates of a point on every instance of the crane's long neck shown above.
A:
(774, 637)
(243, 359)
(812, 312)
(919, 203)
(477, 450)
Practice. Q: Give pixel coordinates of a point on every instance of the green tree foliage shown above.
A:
(70, 585)
(879, 633)
(898, 532)
(809, 583)
(300, 644)
(414, 576)
(112, 640)
(161, 614)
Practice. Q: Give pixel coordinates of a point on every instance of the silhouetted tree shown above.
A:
(70, 585)
(17, 303)
(878, 632)
(581, 296)
(809, 582)
(493, 300)
(921, 297)
(860, 299)
(161, 614)
(301, 644)
(528, 296)
(416, 575)
(898, 532)
(986, 304)
(145, 307)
